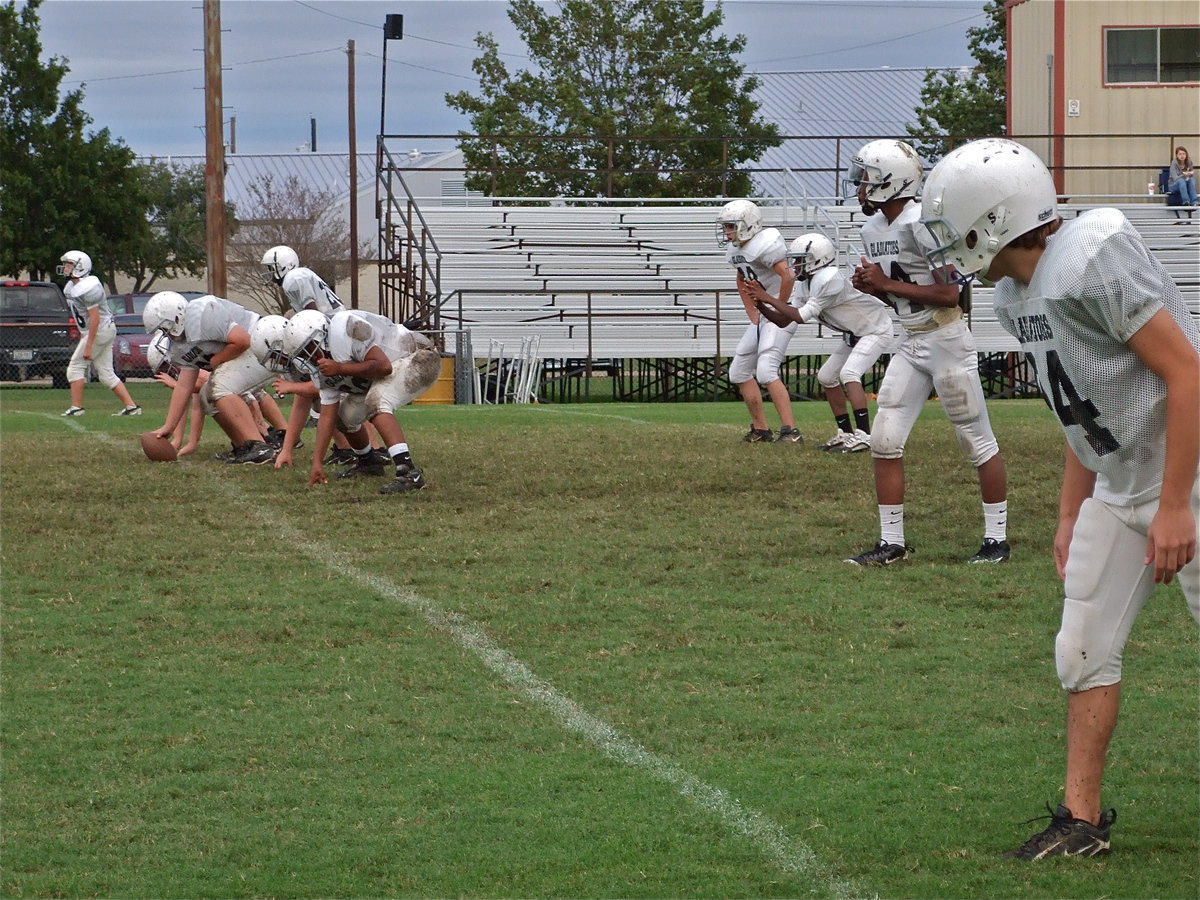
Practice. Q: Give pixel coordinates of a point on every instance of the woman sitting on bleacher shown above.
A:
(1181, 180)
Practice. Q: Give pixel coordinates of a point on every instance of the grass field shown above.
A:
(611, 652)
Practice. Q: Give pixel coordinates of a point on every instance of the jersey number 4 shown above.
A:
(1072, 409)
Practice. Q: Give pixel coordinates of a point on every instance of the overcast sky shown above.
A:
(140, 62)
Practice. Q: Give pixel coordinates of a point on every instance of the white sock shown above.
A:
(891, 524)
(995, 520)
(396, 449)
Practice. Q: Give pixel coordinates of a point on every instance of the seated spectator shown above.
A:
(1181, 180)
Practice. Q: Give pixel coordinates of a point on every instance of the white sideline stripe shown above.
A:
(789, 853)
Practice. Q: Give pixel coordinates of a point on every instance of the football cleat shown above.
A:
(882, 554)
(339, 457)
(134, 410)
(1067, 836)
(855, 442)
(992, 551)
(405, 482)
(759, 436)
(835, 442)
(790, 435)
(74, 411)
(253, 453)
(364, 466)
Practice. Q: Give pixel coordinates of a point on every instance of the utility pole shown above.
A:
(214, 151)
(353, 180)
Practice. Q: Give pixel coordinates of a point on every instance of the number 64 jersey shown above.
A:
(1094, 287)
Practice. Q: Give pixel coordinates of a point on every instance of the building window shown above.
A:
(1151, 55)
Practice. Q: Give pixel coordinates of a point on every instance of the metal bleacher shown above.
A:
(599, 286)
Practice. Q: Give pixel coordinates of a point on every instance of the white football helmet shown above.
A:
(266, 342)
(306, 333)
(810, 252)
(156, 357)
(745, 215)
(889, 169)
(981, 197)
(81, 264)
(164, 312)
(279, 261)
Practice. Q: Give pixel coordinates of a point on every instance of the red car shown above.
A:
(129, 349)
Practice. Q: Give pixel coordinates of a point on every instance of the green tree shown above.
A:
(959, 106)
(60, 189)
(175, 243)
(625, 98)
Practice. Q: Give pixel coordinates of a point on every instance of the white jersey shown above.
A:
(207, 322)
(899, 248)
(829, 298)
(351, 335)
(84, 295)
(305, 290)
(756, 259)
(1094, 287)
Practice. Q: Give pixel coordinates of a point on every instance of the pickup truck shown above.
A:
(38, 333)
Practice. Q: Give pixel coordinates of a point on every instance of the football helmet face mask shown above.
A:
(980, 198)
(267, 343)
(156, 357)
(278, 261)
(164, 312)
(811, 252)
(890, 170)
(307, 333)
(746, 218)
(81, 264)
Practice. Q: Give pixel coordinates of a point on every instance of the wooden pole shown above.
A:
(353, 180)
(214, 152)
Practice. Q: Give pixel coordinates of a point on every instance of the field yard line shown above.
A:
(576, 412)
(790, 854)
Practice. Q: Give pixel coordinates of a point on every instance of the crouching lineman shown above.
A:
(366, 367)
(213, 334)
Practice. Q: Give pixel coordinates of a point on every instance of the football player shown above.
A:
(366, 367)
(89, 303)
(302, 286)
(1116, 354)
(823, 295)
(212, 333)
(936, 351)
(759, 255)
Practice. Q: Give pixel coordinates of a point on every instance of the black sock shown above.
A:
(843, 422)
(861, 421)
(403, 461)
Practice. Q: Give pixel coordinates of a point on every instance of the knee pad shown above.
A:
(828, 375)
(208, 405)
(741, 369)
(888, 435)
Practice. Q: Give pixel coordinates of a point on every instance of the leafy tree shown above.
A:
(175, 244)
(60, 189)
(963, 106)
(626, 98)
(299, 216)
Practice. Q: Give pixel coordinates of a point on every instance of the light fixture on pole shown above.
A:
(393, 30)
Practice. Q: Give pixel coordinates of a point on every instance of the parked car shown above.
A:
(129, 349)
(38, 332)
(136, 302)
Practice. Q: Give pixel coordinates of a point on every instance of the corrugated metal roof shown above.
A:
(816, 108)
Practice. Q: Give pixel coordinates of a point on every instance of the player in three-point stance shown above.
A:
(759, 256)
(936, 352)
(1116, 355)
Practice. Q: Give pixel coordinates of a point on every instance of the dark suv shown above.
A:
(38, 333)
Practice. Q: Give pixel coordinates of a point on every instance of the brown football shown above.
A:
(158, 448)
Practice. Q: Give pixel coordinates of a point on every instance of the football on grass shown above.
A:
(158, 448)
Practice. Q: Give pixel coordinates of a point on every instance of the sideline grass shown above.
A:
(195, 703)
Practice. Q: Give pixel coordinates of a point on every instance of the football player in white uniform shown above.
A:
(89, 303)
(936, 351)
(366, 367)
(1117, 355)
(214, 334)
(759, 255)
(302, 286)
(825, 296)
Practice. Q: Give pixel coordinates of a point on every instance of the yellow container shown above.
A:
(442, 390)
